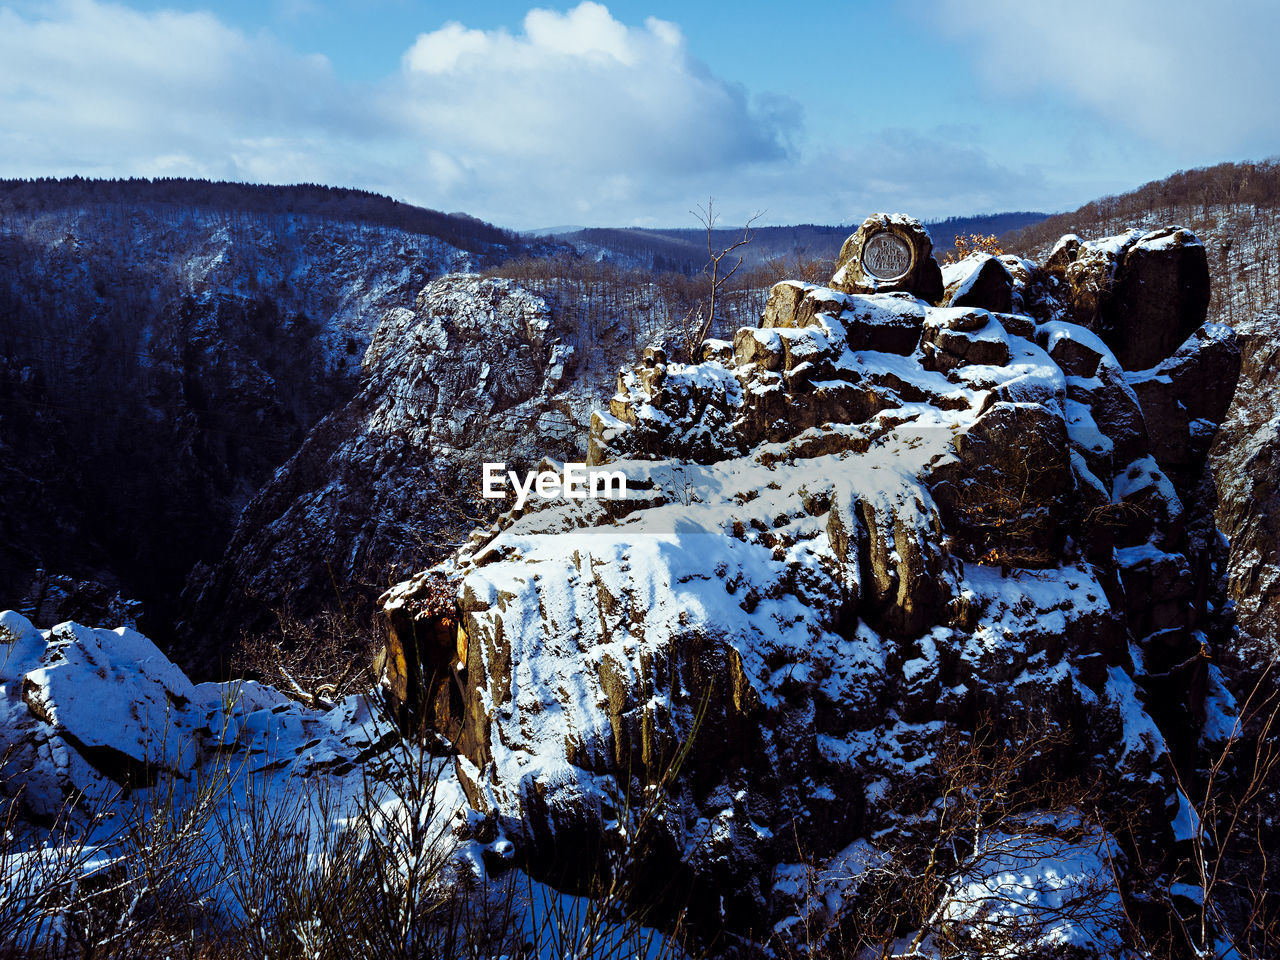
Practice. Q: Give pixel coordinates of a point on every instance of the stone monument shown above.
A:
(889, 252)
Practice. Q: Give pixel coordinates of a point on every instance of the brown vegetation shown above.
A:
(973, 243)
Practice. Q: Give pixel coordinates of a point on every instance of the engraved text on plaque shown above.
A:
(886, 256)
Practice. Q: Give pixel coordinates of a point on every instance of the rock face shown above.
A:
(871, 522)
(478, 371)
(1246, 465)
(1143, 293)
(467, 375)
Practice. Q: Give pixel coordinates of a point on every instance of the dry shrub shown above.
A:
(974, 243)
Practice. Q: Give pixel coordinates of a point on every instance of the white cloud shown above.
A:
(574, 117)
(577, 111)
(1184, 74)
(440, 51)
(586, 31)
(578, 105)
(98, 88)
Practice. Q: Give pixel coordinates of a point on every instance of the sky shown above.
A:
(636, 112)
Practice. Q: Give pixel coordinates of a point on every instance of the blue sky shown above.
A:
(635, 112)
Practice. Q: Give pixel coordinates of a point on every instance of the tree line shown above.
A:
(46, 194)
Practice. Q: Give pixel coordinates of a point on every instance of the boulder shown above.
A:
(760, 346)
(1159, 297)
(957, 337)
(889, 252)
(979, 281)
(1063, 253)
(89, 712)
(1088, 270)
(885, 323)
(1078, 356)
(1165, 584)
(1006, 497)
(783, 305)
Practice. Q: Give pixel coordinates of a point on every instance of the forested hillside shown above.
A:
(166, 345)
(1234, 208)
(685, 250)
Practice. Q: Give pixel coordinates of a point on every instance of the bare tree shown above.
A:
(696, 325)
(959, 874)
(1230, 820)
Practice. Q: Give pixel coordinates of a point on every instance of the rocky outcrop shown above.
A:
(866, 523)
(1246, 464)
(889, 252)
(477, 371)
(1143, 293)
(465, 376)
(90, 715)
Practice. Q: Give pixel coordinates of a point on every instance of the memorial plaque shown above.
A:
(886, 256)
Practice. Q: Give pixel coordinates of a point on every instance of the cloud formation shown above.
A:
(577, 98)
(100, 89)
(576, 116)
(571, 117)
(1183, 74)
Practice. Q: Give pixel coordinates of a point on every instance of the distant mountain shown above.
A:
(48, 194)
(553, 231)
(685, 250)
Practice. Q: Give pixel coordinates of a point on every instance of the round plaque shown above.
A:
(886, 256)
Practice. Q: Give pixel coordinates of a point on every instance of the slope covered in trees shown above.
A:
(166, 345)
(46, 194)
(1234, 208)
(685, 250)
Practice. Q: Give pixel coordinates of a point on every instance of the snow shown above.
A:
(1221, 720)
(88, 674)
(1168, 238)
(1186, 822)
(1140, 735)
(1035, 889)
(588, 622)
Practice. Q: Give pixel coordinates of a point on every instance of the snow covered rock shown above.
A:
(980, 280)
(889, 252)
(90, 711)
(1185, 397)
(89, 715)
(1143, 293)
(1159, 297)
(830, 556)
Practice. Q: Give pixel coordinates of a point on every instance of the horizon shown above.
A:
(631, 114)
